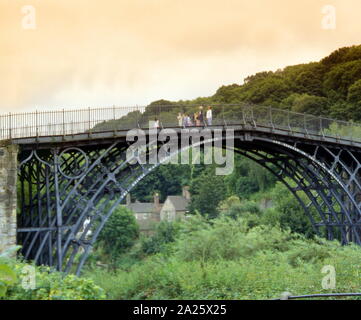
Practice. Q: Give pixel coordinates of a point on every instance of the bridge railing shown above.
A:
(92, 120)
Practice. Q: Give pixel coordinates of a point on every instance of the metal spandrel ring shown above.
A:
(73, 163)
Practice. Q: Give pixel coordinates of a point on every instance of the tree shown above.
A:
(234, 208)
(248, 177)
(207, 190)
(354, 93)
(165, 233)
(119, 233)
(309, 82)
(342, 55)
(306, 103)
(287, 212)
(272, 89)
(166, 179)
(342, 76)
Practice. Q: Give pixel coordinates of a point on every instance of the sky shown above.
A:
(58, 54)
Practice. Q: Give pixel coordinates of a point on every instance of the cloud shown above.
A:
(87, 52)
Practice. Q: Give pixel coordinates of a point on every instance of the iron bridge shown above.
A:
(73, 170)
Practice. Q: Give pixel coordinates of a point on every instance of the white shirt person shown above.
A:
(209, 116)
(156, 123)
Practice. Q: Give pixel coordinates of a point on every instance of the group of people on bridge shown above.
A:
(199, 118)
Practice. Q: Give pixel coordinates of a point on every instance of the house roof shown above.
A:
(180, 203)
(142, 207)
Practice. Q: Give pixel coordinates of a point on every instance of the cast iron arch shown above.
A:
(77, 189)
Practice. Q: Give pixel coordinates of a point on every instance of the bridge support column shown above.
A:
(8, 195)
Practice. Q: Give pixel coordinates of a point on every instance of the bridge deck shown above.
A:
(106, 136)
(101, 125)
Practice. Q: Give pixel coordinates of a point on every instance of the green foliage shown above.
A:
(354, 98)
(342, 55)
(225, 259)
(247, 178)
(164, 234)
(306, 103)
(346, 131)
(7, 274)
(342, 76)
(234, 208)
(354, 92)
(287, 212)
(207, 191)
(119, 233)
(309, 82)
(7, 278)
(166, 179)
(229, 239)
(48, 285)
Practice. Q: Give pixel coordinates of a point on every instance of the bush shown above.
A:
(230, 239)
(118, 234)
(50, 285)
(287, 212)
(165, 233)
(226, 260)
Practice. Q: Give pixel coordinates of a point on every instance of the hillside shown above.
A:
(330, 87)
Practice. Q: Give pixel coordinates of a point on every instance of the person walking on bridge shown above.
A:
(188, 121)
(184, 120)
(200, 116)
(180, 120)
(209, 116)
(196, 119)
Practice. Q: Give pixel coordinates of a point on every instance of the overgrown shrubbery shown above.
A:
(48, 285)
(287, 211)
(164, 234)
(226, 259)
(118, 235)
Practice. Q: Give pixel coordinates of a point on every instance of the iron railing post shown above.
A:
(304, 123)
(288, 120)
(10, 126)
(89, 125)
(243, 115)
(271, 117)
(138, 112)
(63, 116)
(114, 124)
(37, 124)
(224, 120)
(252, 115)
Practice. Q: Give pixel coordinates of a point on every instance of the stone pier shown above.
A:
(8, 196)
